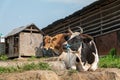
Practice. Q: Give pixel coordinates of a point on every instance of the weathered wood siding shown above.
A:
(118, 42)
(2, 48)
(30, 44)
(99, 19)
(106, 42)
(11, 47)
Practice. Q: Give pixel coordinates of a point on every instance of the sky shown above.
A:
(17, 13)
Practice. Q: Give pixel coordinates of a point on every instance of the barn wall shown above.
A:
(2, 48)
(30, 44)
(106, 42)
(118, 42)
(97, 19)
(100, 20)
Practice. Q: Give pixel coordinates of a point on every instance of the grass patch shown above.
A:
(7, 69)
(3, 57)
(33, 66)
(71, 71)
(32, 58)
(26, 67)
(110, 61)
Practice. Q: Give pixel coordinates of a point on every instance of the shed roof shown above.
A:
(20, 29)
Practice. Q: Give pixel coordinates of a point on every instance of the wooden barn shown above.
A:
(24, 41)
(101, 19)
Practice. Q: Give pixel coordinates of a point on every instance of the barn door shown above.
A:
(16, 43)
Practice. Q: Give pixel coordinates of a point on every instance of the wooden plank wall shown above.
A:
(99, 20)
(2, 48)
(11, 47)
(30, 44)
(106, 42)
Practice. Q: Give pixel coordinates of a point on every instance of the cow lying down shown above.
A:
(55, 42)
(80, 53)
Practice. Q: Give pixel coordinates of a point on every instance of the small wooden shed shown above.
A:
(24, 41)
(2, 48)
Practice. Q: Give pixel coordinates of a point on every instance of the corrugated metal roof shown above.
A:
(18, 30)
(15, 31)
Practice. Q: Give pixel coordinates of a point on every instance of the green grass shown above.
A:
(71, 71)
(26, 67)
(110, 61)
(3, 57)
(32, 58)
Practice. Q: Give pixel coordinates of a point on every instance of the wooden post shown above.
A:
(101, 21)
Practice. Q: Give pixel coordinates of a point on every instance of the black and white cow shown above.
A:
(80, 52)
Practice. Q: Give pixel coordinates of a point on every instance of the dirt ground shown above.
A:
(100, 74)
(58, 72)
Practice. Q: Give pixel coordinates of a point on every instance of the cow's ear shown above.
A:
(67, 38)
(46, 37)
(86, 40)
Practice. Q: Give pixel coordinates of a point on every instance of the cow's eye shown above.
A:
(54, 39)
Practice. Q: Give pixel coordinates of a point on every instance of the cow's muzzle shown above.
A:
(66, 46)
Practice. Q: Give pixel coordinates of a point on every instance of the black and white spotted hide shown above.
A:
(84, 49)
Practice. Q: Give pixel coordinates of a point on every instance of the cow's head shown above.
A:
(46, 42)
(74, 40)
(58, 40)
(55, 42)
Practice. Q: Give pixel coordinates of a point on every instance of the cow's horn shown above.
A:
(81, 30)
(70, 30)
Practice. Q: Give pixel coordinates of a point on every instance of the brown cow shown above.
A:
(46, 42)
(55, 42)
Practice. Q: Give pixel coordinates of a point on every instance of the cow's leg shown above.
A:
(94, 65)
(79, 63)
(62, 56)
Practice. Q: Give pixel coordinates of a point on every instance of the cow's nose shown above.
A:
(66, 46)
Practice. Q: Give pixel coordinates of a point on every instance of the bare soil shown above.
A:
(58, 72)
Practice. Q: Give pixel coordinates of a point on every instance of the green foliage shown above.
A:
(32, 58)
(26, 67)
(71, 71)
(3, 57)
(44, 66)
(7, 69)
(112, 52)
(30, 66)
(111, 60)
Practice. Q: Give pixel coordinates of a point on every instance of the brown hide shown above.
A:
(46, 42)
(55, 42)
